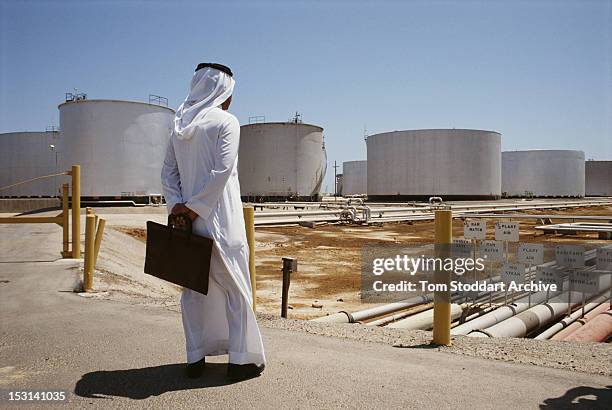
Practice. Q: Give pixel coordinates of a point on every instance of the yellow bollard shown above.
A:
(90, 211)
(442, 306)
(76, 211)
(88, 265)
(65, 222)
(99, 234)
(249, 222)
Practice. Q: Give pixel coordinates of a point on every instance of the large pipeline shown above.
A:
(346, 317)
(531, 319)
(597, 303)
(561, 335)
(536, 317)
(507, 311)
(500, 314)
(424, 320)
(398, 315)
(597, 330)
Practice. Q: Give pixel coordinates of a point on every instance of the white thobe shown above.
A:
(202, 172)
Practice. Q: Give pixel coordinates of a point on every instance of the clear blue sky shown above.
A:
(540, 72)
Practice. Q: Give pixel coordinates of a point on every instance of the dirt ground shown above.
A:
(329, 257)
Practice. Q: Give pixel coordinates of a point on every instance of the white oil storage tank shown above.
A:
(543, 173)
(278, 161)
(598, 178)
(27, 155)
(450, 163)
(355, 177)
(120, 146)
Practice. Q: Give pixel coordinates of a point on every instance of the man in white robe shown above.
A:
(200, 179)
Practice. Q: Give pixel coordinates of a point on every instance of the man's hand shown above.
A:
(181, 209)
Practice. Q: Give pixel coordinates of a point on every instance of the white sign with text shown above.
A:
(507, 231)
(531, 253)
(474, 229)
(569, 256)
(492, 251)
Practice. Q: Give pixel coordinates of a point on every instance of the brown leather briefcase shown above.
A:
(177, 255)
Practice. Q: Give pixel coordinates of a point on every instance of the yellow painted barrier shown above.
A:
(101, 223)
(62, 219)
(88, 265)
(249, 222)
(32, 220)
(442, 307)
(75, 173)
(65, 223)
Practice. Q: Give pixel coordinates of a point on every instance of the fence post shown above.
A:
(76, 211)
(88, 265)
(249, 222)
(65, 222)
(289, 265)
(442, 307)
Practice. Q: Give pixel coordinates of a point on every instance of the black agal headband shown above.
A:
(219, 67)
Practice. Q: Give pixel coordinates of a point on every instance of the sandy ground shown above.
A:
(329, 258)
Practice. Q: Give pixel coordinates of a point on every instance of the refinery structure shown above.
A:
(121, 144)
(281, 161)
(543, 173)
(449, 163)
(333, 205)
(391, 197)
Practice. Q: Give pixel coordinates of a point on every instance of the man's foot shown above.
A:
(238, 372)
(195, 370)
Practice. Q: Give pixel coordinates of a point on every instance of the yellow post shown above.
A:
(76, 211)
(249, 222)
(99, 235)
(90, 211)
(88, 265)
(442, 306)
(65, 222)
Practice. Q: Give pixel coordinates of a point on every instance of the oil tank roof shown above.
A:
(115, 101)
(8, 134)
(260, 124)
(438, 129)
(545, 150)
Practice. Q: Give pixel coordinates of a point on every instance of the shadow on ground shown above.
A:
(583, 397)
(149, 381)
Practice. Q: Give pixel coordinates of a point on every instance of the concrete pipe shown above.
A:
(423, 320)
(531, 319)
(597, 330)
(598, 302)
(580, 322)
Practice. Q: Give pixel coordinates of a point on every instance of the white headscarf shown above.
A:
(209, 89)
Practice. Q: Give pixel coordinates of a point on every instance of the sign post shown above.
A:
(491, 251)
(530, 254)
(476, 231)
(572, 257)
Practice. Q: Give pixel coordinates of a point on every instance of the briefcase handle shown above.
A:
(181, 222)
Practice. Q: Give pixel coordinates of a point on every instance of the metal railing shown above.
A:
(94, 226)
